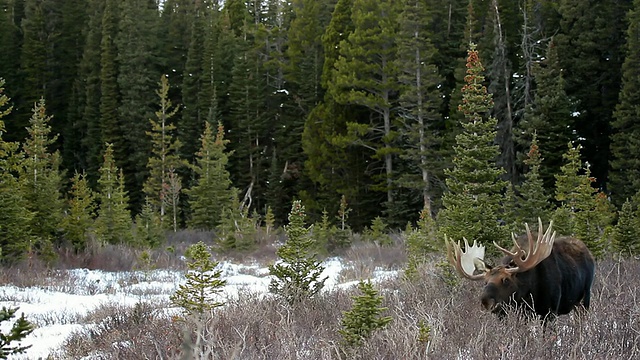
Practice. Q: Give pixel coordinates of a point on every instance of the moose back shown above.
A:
(551, 277)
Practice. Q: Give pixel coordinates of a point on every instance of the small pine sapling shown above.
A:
(203, 282)
(297, 275)
(21, 328)
(359, 323)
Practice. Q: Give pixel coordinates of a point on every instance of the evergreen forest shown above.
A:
(123, 119)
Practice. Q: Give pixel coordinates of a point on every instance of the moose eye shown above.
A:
(506, 281)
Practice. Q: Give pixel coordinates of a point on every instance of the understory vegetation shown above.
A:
(433, 315)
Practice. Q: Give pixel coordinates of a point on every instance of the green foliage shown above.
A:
(420, 99)
(297, 273)
(364, 318)
(549, 117)
(197, 295)
(365, 74)
(378, 232)
(20, 329)
(212, 192)
(15, 232)
(532, 201)
(41, 180)
(472, 204)
(624, 179)
(237, 230)
(78, 221)
(583, 212)
(420, 242)
(424, 332)
(148, 231)
(626, 237)
(113, 224)
(164, 154)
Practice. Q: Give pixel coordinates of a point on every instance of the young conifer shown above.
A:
(359, 323)
(197, 295)
(20, 329)
(297, 274)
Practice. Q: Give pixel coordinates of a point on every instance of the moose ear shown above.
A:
(480, 265)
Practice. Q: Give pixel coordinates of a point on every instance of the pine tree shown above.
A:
(164, 157)
(20, 329)
(86, 135)
(366, 75)
(625, 234)
(36, 59)
(138, 63)
(42, 178)
(15, 232)
(624, 177)
(192, 118)
(549, 117)
(212, 192)
(533, 202)
(78, 222)
(364, 318)
(110, 123)
(583, 211)
(148, 231)
(420, 242)
(113, 224)
(590, 38)
(420, 97)
(197, 295)
(297, 274)
(472, 203)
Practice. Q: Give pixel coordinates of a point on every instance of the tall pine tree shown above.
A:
(472, 203)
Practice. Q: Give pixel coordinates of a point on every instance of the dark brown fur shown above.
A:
(555, 286)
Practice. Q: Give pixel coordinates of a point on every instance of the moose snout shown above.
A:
(488, 302)
(489, 298)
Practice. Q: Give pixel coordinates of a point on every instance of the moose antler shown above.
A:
(537, 251)
(464, 261)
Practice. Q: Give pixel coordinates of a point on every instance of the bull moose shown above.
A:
(551, 277)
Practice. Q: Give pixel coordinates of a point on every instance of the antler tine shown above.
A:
(460, 259)
(538, 251)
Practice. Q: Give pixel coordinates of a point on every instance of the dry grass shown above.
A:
(256, 327)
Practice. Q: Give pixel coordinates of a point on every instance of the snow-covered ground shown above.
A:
(57, 308)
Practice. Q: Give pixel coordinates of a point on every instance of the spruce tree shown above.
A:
(42, 178)
(584, 212)
(86, 133)
(364, 318)
(366, 75)
(138, 68)
(15, 232)
(297, 275)
(20, 329)
(164, 152)
(625, 234)
(533, 202)
(549, 117)
(113, 224)
(212, 192)
(420, 98)
(624, 177)
(471, 207)
(110, 122)
(78, 220)
(420, 241)
(148, 231)
(197, 295)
